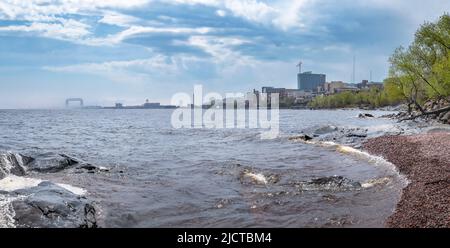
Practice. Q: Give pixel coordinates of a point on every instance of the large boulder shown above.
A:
(51, 206)
(50, 162)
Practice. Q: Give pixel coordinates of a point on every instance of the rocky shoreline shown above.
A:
(425, 160)
(420, 150)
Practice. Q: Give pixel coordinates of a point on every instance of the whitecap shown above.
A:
(373, 182)
(259, 178)
(12, 183)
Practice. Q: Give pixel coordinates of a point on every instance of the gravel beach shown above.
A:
(425, 160)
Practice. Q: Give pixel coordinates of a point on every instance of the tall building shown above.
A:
(309, 81)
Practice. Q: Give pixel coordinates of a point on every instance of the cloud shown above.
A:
(236, 44)
(218, 47)
(64, 29)
(158, 68)
(221, 13)
(281, 14)
(118, 19)
(135, 31)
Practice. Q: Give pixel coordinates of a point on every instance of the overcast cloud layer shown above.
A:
(128, 51)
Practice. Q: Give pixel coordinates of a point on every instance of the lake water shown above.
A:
(165, 177)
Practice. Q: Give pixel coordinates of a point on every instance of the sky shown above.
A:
(132, 50)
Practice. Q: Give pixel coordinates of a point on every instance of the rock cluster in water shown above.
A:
(348, 136)
(38, 203)
(333, 183)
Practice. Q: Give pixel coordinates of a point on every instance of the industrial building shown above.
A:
(308, 81)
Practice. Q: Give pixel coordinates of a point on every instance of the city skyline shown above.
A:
(127, 51)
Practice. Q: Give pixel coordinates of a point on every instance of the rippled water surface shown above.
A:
(165, 177)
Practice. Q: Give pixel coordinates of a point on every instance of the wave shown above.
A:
(372, 159)
(258, 178)
(374, 182)
(7, 212)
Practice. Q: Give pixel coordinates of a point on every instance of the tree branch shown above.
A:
(442, 110)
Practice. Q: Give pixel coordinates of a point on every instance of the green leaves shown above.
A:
(421, 71)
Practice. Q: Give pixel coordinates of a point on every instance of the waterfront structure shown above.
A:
(366, 85)
(331, 87)
(294, 98)
(309, 81)
(146, 105)
(79, 100)
(272, 90)
(151, 105)
(347, 87)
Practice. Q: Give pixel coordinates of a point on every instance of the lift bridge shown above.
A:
(79, 100)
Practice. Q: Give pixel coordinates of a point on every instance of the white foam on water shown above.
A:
(351, 150)
(376, 160)
(259, 178)
(5, 160)
(73, 189)
(7, 212)
(12, 183)
(373, 182)
(7, 166)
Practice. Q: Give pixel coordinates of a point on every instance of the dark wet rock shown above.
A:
(301, 138)
(347, 136)
(90, 218)
(50, 162)
(51, 206)
(325, 130)
(334, 183)
(18, 164)
(445, 118)
(91, 168)
(319, 130)
(365, 115)
(358, 134)
(88, 167)
(341, 135)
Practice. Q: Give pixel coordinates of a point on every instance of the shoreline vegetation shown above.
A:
(419, 78)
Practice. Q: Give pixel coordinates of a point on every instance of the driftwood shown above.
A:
(435, 112)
